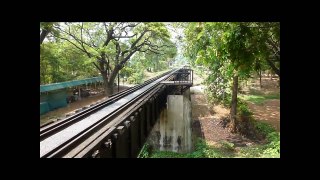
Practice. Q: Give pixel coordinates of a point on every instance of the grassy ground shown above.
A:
(259, 99)
(224, 149)
(264, 102)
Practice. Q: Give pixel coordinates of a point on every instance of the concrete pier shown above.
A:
(172, 131)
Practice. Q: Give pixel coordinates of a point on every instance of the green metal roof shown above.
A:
(61, 85)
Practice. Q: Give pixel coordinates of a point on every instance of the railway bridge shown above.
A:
(119, 126)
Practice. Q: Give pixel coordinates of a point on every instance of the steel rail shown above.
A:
(50, 129)
(92, 128)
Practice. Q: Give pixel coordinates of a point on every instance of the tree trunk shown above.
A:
(108, 89)
(233, 111)
(260, 78)
(118, 81)
(43, 35)
(273, 67)
(108, 81)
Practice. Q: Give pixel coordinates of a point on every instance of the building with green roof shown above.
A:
(54, 95)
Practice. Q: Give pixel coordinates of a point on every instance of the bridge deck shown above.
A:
(177, 83)
(64, 135)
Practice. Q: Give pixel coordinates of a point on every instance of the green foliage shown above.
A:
(202, 150)
(251, 152)
(126, 71)
(134, 71)
(243, 108)
(264, 128)
(158, 62)
(168, 154)
(212, 50)
(145, 151)
(227, 49)
(269, 150)
(261, 151)
(273, 136)
(136, 78)
(227, 145)
(49, 26)
(227, 149)
(272, 149)
(224, 150)
(60, 61)
(79, 44)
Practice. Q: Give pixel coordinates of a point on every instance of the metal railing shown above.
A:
(186, 70)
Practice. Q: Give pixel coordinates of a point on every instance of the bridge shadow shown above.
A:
(197, 129)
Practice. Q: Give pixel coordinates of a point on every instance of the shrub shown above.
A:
(227, 145)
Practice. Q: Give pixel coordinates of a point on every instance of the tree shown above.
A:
(232, 51)
(265, 42)
(111, 45)
(45, 29)
(158, 62)
(61, 61)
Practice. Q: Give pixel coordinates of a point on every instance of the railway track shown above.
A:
(119, 123)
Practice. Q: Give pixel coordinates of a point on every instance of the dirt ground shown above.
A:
(206, 119)
(269, 111)
(61, 112)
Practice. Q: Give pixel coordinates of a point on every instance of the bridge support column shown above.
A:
(148, 116)
(143, 123)
(153, 111)
(135, 135)
(121, 142)
(172, 131)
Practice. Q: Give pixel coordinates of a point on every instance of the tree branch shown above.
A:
(82, 38)
(275, 47)
(90, 37)
(137, 40)
(130, 25)
(97, 66)
(118, 50)
(109, 34)
(43, 35)
(87, 53)
(75, 38)
(128, 57)
(274, 68)
(151, 50)
(107, 57)
(124, 36)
